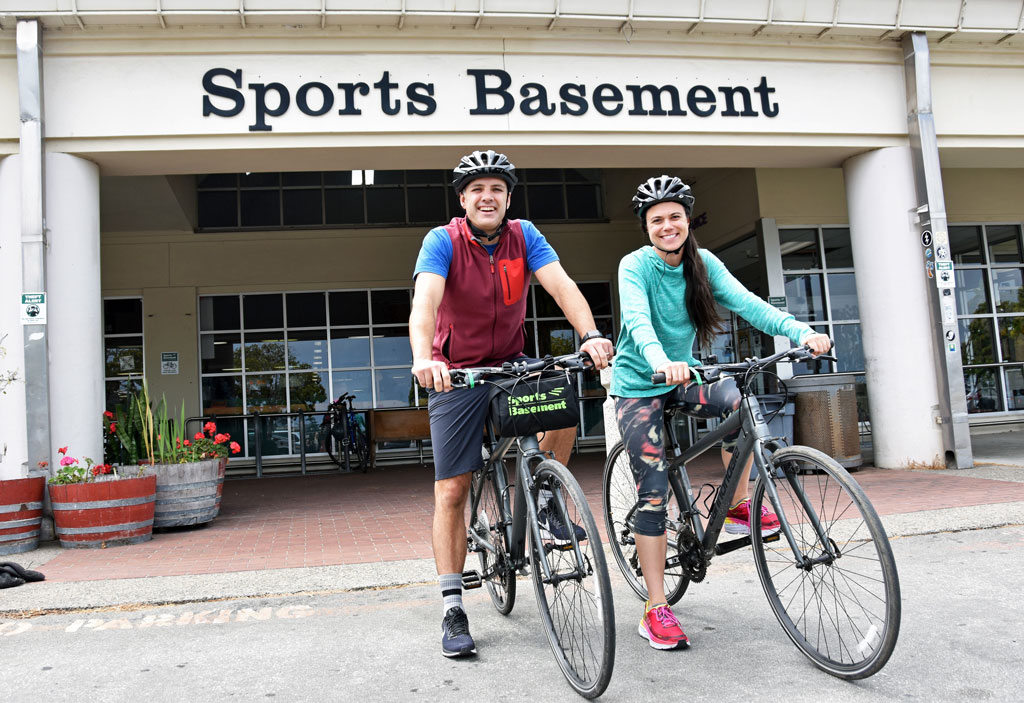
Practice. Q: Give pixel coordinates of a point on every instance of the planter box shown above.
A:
(21, 513)
(187, 494)
(104, 513)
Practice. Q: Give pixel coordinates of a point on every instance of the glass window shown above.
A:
(344, 206)
(261, 208)
(804, 297)
(395, 388)
(555, 337)
(264, 351)
(222, 395)
(842, 292)
(263, 311)
(218, 208)
(1003, 244)
(848, 349)
(971, 292)
(306, 310)
(390, 306)
(583, 203)
(426, 205)
(385, 205)
(348, 308)
(219, 353)
(307, 349)
(983, 392)
(303, 207)
(546, 202)
(1015, 388)
(977, 343)
(838, 252)
(965, 245)
(219, 312)
(122, 316)
(799, 249)
(391, 346)
(123, 356)
(306, 178)
(1011, 338)
(1008, 291)
(350, 347)
(355, 383)
(308, 391)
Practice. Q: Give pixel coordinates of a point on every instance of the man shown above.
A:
(472, 283)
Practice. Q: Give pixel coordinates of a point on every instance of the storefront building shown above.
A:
(235, 193)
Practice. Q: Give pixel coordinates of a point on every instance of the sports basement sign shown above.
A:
(489, 92)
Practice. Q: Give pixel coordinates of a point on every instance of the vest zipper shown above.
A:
(508, 284)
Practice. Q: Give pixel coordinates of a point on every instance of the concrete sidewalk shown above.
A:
(317, 534)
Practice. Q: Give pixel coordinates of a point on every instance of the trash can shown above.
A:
(781, 424)
(826, 415)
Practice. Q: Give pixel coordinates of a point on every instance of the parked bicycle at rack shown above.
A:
(829, 573)
(343, 435)
(570, 574)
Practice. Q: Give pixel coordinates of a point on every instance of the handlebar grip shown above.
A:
(658, 379)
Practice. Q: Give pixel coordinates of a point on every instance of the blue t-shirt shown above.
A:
(436, 253)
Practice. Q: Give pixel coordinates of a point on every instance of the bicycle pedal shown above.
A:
(471, 579)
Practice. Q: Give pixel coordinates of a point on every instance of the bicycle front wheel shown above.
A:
(491, 524)
(620, 502)
(838, 596)
(360, 449)
(570, 577)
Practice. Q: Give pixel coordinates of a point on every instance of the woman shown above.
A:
(667, 295)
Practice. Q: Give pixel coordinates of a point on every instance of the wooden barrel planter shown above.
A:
(21, 513)
(187, 494)
(104, 513)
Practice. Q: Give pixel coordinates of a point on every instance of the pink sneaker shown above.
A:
(661, 629)
(737, 520)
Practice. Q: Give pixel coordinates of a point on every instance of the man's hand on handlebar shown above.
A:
(819, 343)
(675, 372)
(601, 351)
(432, 374)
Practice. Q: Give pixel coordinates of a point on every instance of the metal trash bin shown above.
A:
(781, 423)
(826, 415)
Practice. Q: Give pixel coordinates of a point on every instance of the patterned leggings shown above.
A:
(641, 424)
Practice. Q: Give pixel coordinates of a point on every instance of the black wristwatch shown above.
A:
(592, 334)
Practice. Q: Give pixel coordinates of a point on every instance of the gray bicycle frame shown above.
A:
(528, 459)
(754, 435)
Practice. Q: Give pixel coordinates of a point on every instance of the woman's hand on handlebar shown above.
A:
(818, 343)
(675, 372)
(600, 350)
(432, 374)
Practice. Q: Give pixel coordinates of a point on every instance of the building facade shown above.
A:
(231, 197)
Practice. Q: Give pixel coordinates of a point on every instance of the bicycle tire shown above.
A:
(360, 449)
(619, 498)
(844, 615)
(331, 443)
(577, 612)
(492, 518)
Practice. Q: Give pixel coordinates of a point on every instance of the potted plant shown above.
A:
(98, 506)
(189, 471)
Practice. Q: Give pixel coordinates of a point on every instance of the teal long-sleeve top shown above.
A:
(656, 327)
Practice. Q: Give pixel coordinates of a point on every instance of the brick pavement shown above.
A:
(385, 515)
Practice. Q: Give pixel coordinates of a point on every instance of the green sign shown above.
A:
(778, 301)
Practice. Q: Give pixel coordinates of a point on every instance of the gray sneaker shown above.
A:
(455, 638)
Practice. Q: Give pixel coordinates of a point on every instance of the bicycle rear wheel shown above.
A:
(575, 597)
(841, 611)
(620, 502)
(360, 450)
(332, 441)
(491, 523)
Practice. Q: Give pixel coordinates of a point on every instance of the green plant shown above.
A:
(84, 470)
(157, 429)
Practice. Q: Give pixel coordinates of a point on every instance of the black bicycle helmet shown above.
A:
(662, 189)
(484, 163)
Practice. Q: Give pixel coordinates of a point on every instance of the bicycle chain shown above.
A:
(692, 562)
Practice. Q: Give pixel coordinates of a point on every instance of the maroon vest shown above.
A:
(481, 316)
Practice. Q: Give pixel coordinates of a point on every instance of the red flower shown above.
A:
(210, 428)
(62, 450)
(109, 415)
(199, 435)
(113, 428)
(221, 438)
(235, 448)
(96, 470)
(187, 443)
(43, 464)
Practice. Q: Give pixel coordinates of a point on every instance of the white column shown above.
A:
(13, 439)
(895, 318)
(74, 305)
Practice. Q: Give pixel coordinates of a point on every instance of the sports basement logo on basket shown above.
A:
(537, 402)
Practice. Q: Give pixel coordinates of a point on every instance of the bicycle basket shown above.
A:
(524, 406)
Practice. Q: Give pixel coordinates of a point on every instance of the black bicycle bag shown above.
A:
(525, 406)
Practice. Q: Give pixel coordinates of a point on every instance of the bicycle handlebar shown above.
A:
(467, 378)
(713, 372)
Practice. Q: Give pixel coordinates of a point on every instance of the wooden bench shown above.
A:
(397, 425)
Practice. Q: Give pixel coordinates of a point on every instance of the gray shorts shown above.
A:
(457, 420)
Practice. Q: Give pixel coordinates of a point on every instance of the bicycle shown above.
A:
(343, 436)
(831, 582)
(570, 575)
